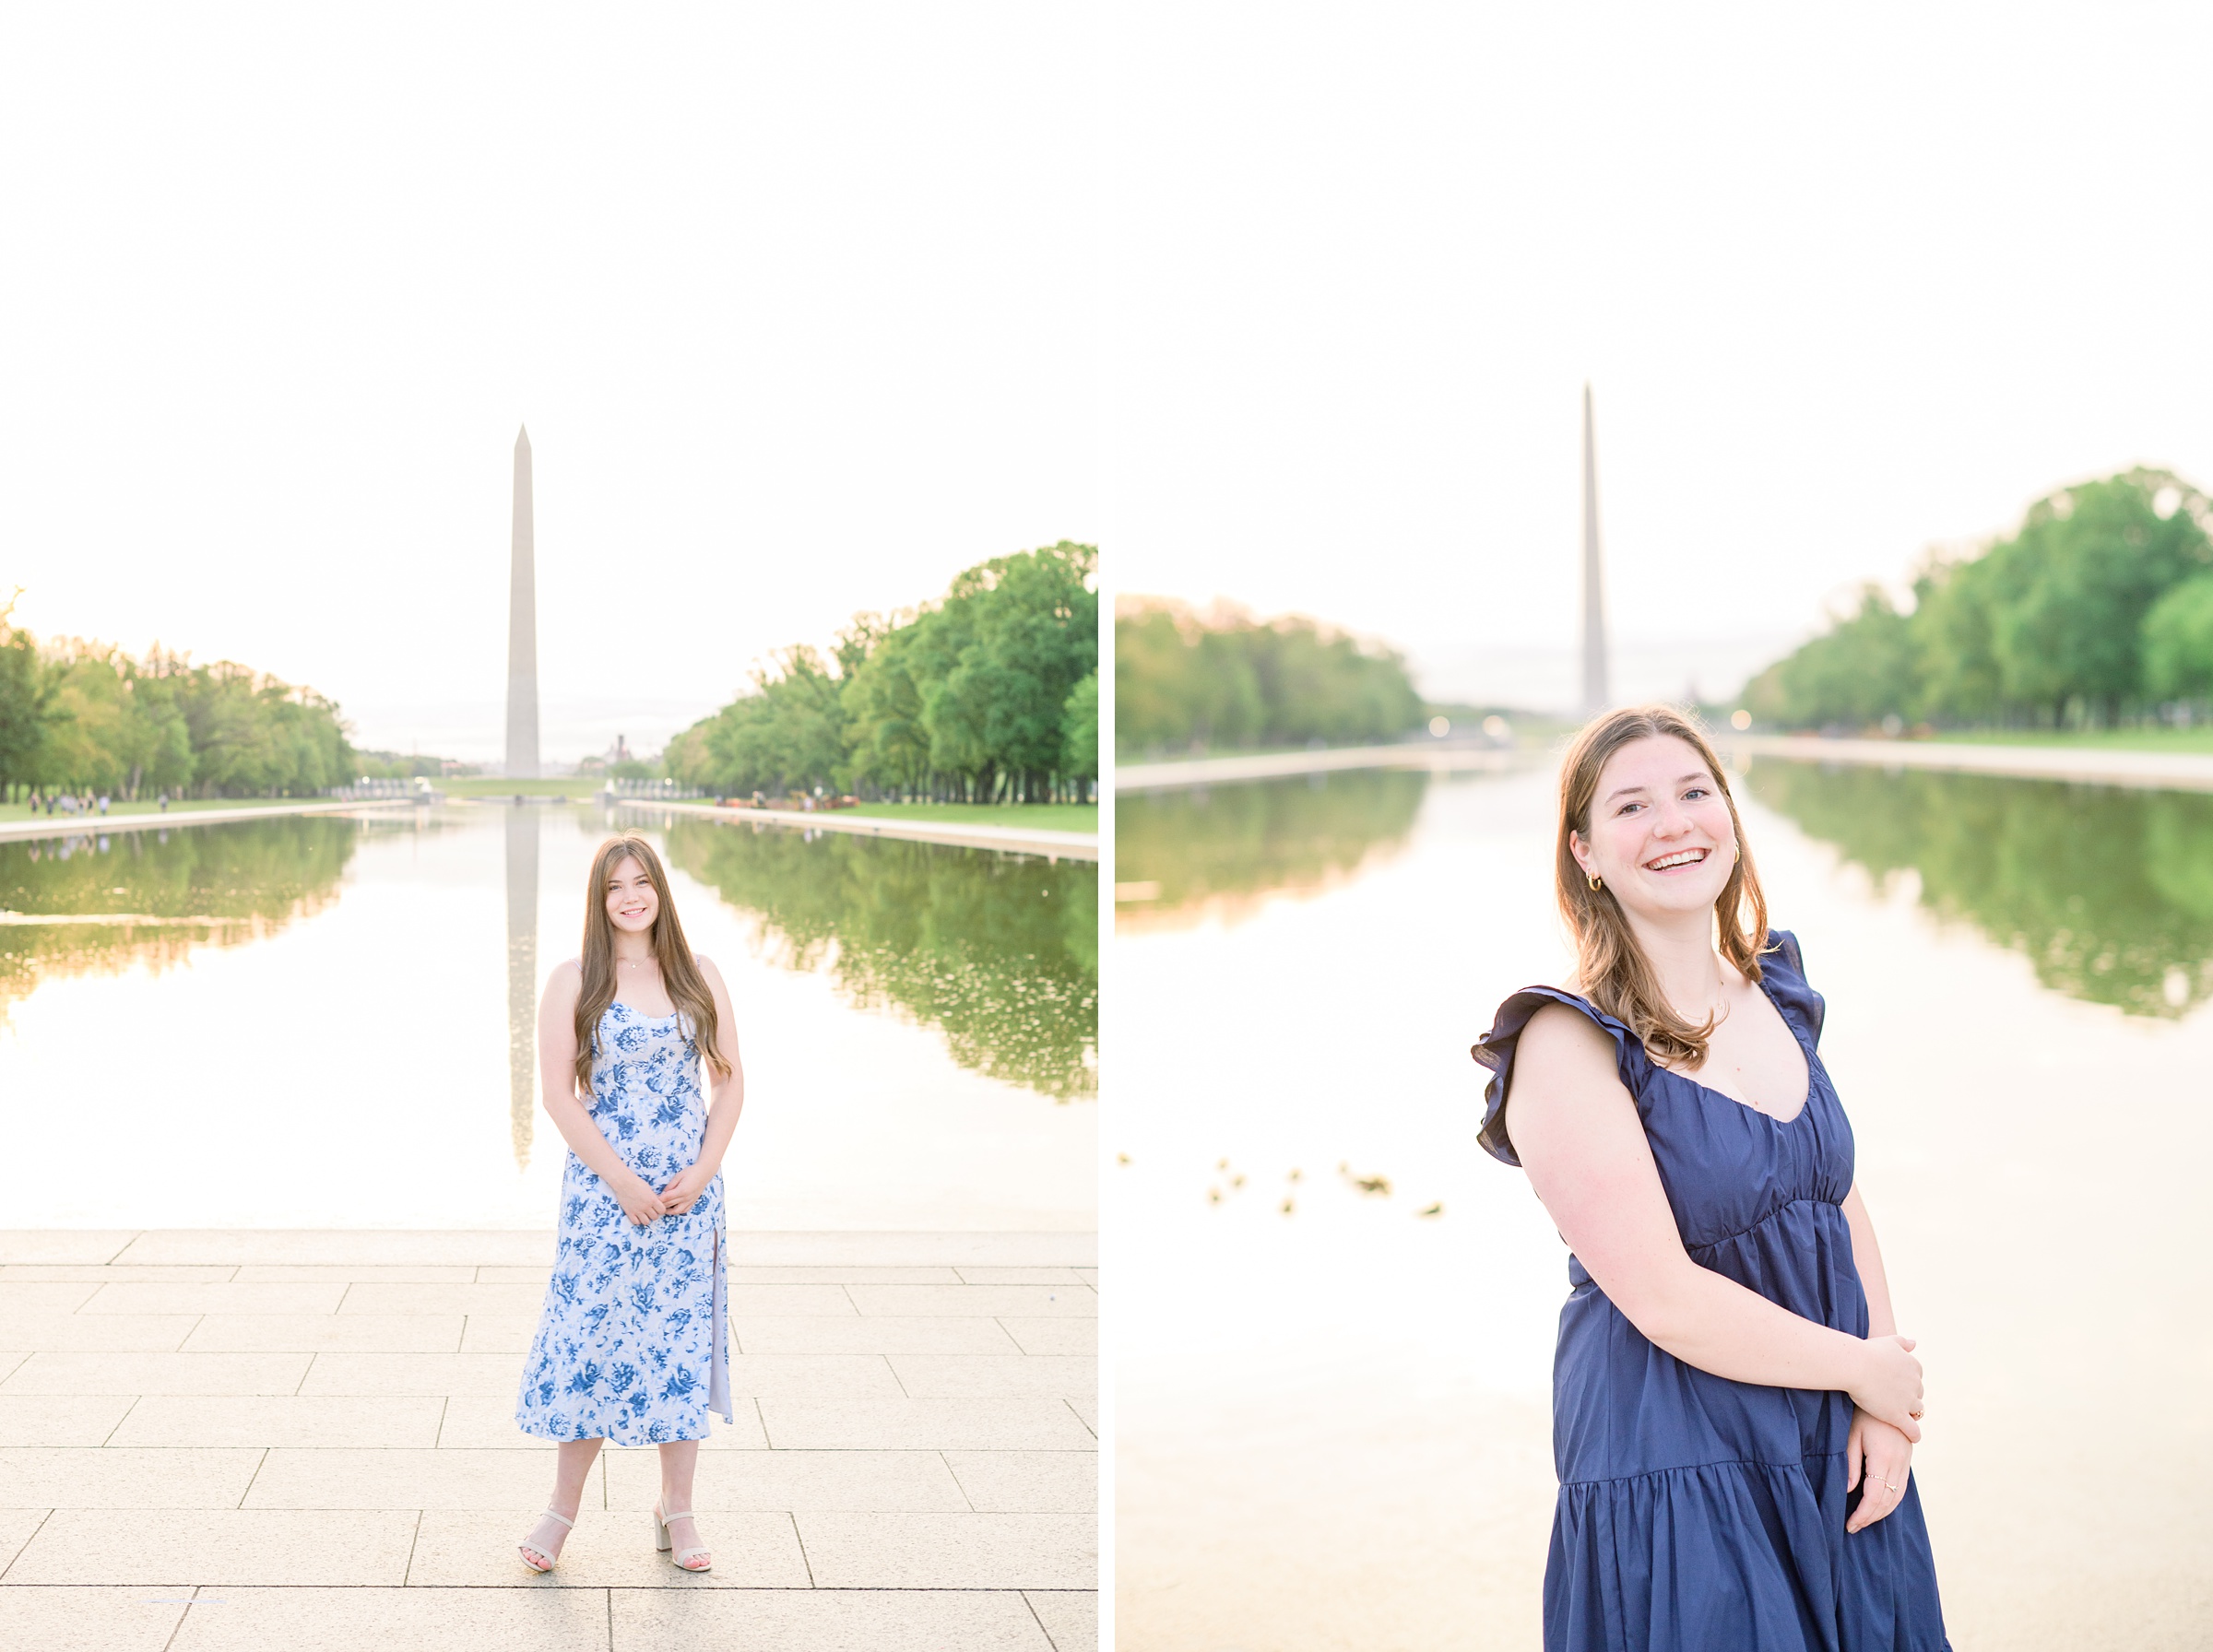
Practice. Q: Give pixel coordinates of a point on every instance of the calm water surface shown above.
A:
(1334, 1419)
(328, 1021)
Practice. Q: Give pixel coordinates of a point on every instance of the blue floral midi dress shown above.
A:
(632, 1343)
(1696, 1513)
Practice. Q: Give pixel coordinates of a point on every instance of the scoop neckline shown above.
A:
(1812, 1084)
(642, 1015)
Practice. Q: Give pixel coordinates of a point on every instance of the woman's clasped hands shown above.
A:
(643, 1203)
(1886, 1420)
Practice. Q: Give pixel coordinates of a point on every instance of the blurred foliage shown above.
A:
(2098, 608)
(1184, 682)
(973, 698)
(81, 717)
(2178, 643)
(149, 897)
(2108, 892)
(1000, 953)
(1219, 851)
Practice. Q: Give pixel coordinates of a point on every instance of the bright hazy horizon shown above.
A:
(797, 307)
(1845, 286)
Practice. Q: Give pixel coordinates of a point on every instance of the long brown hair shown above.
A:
(1611, 967)
(687, 989)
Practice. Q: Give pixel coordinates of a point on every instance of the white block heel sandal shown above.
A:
(537, 1559)
(691, 1560)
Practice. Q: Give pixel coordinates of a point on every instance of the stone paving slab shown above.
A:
(231, 1297)
(1025, 1376)
(819, 1619)
(1054, 1336)
(291, 1420)
(67, 1420)
(395, 1374)
(1070, 1617)
(819, 1333)
(1027, 1483)
(1031, 1301)
(402, 1477)
(216, 1546)
(95, 1247)
(395, 1620)
(89, 1619)
(115, 1333)
(950, 1551)
(963, 1424)
(327, 1333)
(62, 1477)
(51, 1372)
(233, 1439)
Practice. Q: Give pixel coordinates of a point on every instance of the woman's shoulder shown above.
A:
(567, 977)
(1556, 1026)
(1783, 972)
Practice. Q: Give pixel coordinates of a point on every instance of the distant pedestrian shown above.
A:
(633, 1341)
(1733, 1412)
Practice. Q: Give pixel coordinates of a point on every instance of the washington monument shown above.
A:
(1596, 694)
(521, 629)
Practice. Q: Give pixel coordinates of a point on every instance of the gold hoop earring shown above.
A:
(1594, 881)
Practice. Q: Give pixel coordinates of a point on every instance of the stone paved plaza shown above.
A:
(305, 1440)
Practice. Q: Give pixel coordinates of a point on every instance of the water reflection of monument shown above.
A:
(522, 975)
(522, 819)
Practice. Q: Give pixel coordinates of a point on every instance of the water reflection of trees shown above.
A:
(998, 952)
(2108, 892)
(1221, 851)
(97, 903)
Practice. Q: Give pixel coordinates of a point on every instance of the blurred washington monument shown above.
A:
(521, 629)
(1596, 694)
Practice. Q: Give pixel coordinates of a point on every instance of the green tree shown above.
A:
(2178, 643)
(2048, 626)
(1185, 681)
(27, 687)
(1080, 729)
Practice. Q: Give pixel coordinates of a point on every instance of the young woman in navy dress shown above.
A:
(1733, 1412)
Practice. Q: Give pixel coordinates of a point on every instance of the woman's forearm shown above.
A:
(1867, 1259)
(586, 1139)
(1717, 1326)
(726, 1102)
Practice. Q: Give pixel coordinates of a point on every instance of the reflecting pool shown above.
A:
(329, 1020)
(1334, 1340)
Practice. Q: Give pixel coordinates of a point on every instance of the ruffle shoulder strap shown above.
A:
(1494, 1050)
(1783, 972)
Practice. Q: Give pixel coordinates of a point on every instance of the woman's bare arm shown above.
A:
(1576, 1131)
(557, 1094)
(1868, 1258)
(726, 1101)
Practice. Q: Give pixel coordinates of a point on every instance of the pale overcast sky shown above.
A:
(1846, 281)
(799, 303)
(807, 308)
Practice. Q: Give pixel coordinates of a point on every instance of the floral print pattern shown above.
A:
(632, 1343)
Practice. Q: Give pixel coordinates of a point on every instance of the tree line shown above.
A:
(1184, 681)
(2097, 610)
(988, 695)
(83, 716)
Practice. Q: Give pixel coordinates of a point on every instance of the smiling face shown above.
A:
(632, 904)
(1661, 837)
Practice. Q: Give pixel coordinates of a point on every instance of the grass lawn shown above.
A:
(2111, 739)
(1046, 817)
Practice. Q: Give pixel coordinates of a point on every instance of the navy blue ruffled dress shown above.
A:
(1696, 1514)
